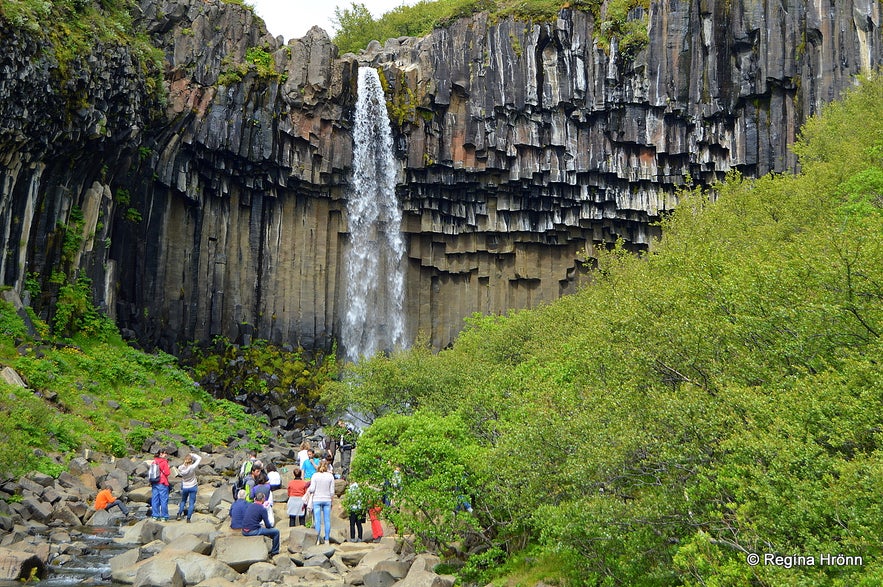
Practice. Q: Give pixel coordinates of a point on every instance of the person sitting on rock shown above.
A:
(274, 478)
(237, 510)
(256, 522)
(105, 500)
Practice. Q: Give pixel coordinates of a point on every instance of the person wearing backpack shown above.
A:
(244, 474)
(158, 475)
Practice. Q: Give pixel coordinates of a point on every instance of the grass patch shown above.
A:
(99, 393)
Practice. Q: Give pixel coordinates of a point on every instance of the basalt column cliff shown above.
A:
(219, 207)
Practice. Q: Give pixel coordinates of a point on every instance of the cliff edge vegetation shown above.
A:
(708, 412)
(624, 20)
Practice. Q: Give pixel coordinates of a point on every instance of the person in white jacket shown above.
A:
(322, 490)
(189, 485)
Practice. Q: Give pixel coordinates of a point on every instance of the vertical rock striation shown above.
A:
(521, 146)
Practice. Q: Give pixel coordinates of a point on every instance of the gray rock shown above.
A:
(378, 579)
(206, 531)
(66, 516)
(300, 538)
(158, 573)
(123, 566)
(196, 567)
(398, 569)
(38, 509)
(240, 552)
(11, 377)
(189, 543)
(265, 572)
(41, 479)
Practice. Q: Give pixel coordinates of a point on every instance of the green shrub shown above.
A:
(11, 324)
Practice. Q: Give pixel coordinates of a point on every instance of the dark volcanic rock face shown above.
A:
(521, 146)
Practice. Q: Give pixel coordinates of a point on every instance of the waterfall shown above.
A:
(374, 259)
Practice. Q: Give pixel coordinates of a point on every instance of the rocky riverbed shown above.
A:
(48, 527)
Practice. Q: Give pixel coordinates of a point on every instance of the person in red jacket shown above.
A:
(159, 496)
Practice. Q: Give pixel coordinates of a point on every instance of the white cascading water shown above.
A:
(374, 259)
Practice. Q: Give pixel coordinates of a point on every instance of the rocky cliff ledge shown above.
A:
(521, 147)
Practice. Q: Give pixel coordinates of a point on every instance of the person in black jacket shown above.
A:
(346, 442)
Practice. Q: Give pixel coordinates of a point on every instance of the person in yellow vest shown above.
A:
(106, 500)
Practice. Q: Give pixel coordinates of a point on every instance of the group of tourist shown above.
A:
(311, 490)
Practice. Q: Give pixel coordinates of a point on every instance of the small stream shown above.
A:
(84, 561)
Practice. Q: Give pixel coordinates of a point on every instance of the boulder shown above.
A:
(221, 497)
(140, 494)
(204, 530)
(352, 554)
(196, 567)
(189, 542)
(422, 578)
(265, 572)
(240, 552)
(104, 517)
(378, 579)
(314, 576)
(42, 479)
(16, 565)
(301, 537)
(156, 572)
(124, 566)
(66, 516)
(398, 569)
(381, 552)
(38, 509)
(11, 377)
(133, 534)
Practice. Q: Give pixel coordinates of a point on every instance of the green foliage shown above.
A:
(11, 324)
(435, 455)
(105, 396)
(75, 314)
(258, 60)
(714, 397)
(73, 235)
(355, 26)
(289, 377)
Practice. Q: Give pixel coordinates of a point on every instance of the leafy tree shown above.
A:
(423, 464)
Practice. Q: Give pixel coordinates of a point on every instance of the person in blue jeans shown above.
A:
(256, 522)
(322, 488)
(189, 486)
(159, 491)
